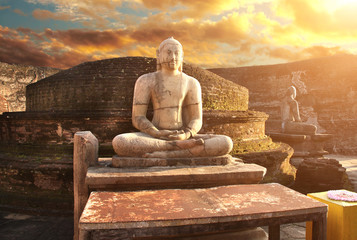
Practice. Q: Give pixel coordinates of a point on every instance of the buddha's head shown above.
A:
(170, 55)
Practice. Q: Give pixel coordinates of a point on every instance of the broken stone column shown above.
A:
(85, 154)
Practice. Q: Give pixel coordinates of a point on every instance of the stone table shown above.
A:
(180, 212)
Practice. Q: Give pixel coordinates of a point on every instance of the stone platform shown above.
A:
(106, 177)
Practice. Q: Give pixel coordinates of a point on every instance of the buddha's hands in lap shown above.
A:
(170, 134)
(179, 135)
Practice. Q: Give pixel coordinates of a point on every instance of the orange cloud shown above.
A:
(18, 11)
(45, 14)
(107, 40)
(321, 51)
(194, 9)
(21, 51)
(296, 54)
(90, 13)
(4, 7)
(30, 32)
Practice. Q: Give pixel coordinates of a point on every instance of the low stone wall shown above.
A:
(42, 128)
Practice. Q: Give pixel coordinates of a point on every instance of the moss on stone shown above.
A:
(246, 147)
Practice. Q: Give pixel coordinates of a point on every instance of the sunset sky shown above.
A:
(226, 33)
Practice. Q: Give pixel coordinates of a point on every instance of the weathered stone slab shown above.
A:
(173, 177)
(119, 161)
(175, 212)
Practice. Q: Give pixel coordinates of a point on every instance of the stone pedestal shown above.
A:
(304, 145)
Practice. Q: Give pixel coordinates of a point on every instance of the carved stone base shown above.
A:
(304, 145)
(123, 162)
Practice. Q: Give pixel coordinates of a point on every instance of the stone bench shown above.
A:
(172, 213)
(91, 173)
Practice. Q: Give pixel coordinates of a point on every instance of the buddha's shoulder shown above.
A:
(147, 78)
(190, 79)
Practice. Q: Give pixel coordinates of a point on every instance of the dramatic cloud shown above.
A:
(214, 33)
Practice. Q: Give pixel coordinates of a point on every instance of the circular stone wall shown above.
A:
(107, 85)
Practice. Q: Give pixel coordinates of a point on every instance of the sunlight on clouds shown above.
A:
(142, 50)
(213, 32)
(326, 18)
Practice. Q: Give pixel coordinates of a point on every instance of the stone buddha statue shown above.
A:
(177, 113)
(291, 120)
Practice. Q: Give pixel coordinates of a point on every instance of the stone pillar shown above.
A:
(85, 154)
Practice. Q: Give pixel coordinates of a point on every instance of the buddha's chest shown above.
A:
(170, 92)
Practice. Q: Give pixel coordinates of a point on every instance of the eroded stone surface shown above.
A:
(177, 207)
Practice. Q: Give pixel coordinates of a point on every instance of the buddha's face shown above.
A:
(171, 56)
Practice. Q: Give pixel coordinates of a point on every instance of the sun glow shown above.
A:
(333, 5)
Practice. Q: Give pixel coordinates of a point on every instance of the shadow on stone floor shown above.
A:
(16, 226)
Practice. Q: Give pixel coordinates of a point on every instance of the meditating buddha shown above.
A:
(290, 114)
(177, 113)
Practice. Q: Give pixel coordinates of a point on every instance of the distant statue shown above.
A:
(291, 120)
(177, 105)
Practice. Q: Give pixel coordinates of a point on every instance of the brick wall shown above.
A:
(107, 85)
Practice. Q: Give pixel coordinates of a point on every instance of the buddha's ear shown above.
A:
(158, 64)
(157, 54)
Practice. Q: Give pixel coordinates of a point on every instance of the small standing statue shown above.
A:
(177, 105)
(291, 121)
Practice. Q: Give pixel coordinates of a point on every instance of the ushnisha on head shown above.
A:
(160, 52)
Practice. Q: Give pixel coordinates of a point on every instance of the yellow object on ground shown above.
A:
(341, 218)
